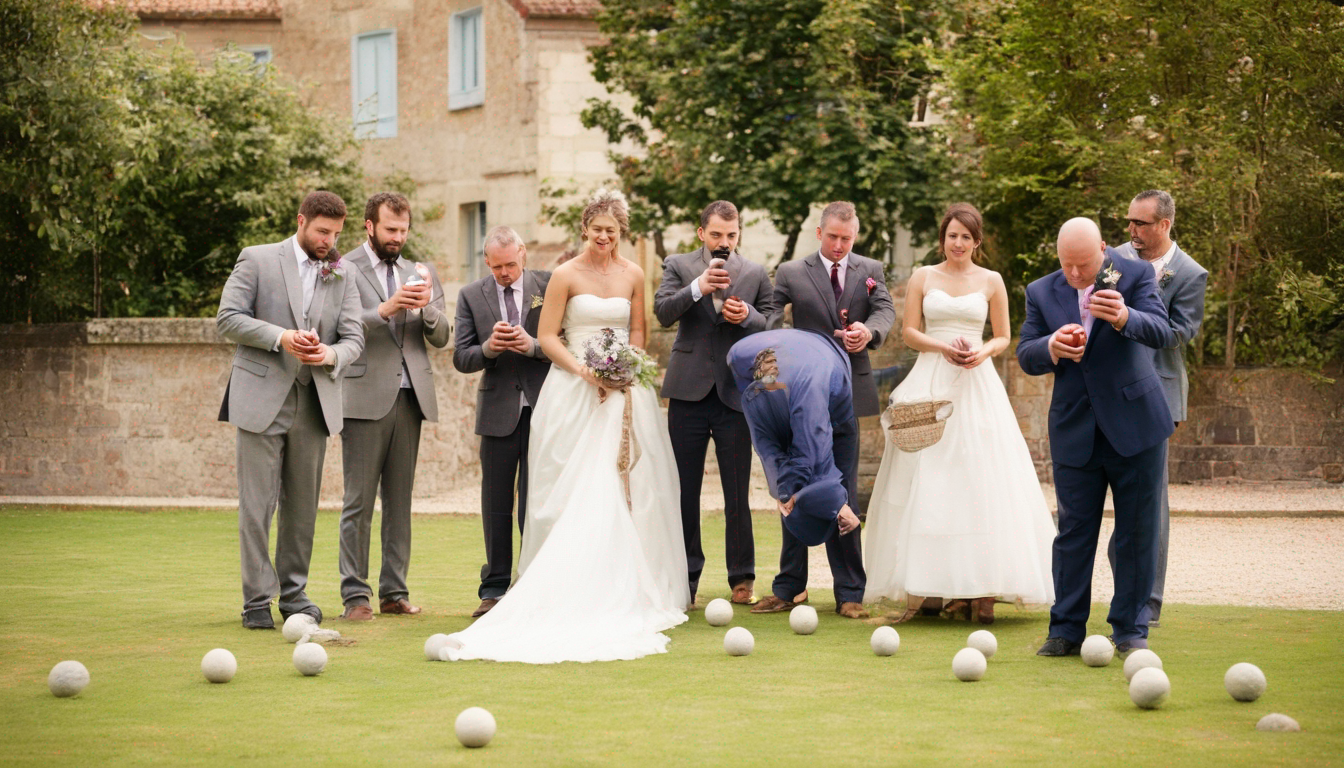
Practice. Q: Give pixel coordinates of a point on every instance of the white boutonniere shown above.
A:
(536, 301)
(1108, 278)
(331, 270)
(1167, 274)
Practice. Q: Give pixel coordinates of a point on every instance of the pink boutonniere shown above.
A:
(331, 270)
(871, 284)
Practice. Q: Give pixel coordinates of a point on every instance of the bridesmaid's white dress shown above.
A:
(965, 517)
(597, 580)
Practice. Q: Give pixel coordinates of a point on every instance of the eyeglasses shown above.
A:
(1140, 223)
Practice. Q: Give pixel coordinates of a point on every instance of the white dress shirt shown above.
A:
(308, 279)
(1161, 264)
(380, 268)
(844, 267)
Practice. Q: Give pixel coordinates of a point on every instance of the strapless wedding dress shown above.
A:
(597, 580)
(965, 517)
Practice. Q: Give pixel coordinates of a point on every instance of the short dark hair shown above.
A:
(395, 202)
(1166, 207)
(322, 203)
(721, 208)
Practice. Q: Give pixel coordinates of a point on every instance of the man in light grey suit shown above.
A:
(496, 331)
(389, 391)
(1180, 282)
(840, 294)
(293, 311)
(717, 298)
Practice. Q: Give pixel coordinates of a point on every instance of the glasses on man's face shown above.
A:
(1140, 223)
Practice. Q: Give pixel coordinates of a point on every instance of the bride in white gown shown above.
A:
(964, 519)
(597, 580)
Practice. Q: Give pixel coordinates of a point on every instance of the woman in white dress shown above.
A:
(964, 519)
(598, 579)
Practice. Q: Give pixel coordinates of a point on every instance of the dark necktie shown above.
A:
(835, 281)
(509, 306)
(391, 289)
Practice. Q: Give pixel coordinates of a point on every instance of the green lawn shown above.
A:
(139, 597)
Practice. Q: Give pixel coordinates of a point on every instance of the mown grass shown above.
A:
(139, 597)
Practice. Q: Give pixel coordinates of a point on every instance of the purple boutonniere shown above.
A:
(331, 270)
(871, 284)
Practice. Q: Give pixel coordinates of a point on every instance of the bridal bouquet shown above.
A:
(616, 364)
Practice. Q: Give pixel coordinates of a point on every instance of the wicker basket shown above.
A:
(916, 425)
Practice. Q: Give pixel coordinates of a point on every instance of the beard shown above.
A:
(314, 250)
(384, 251)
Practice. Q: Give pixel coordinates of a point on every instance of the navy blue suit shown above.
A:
(1109, 421)
(805, 433)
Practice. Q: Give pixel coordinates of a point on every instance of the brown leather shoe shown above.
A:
(742, 593)
(358, 612)
(772, 604)
(485, 607)
(400, 605)
(852, 611)
(983, 610)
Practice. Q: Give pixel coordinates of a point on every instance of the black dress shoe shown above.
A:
(1129, 645)
(258, 618)
(311, 610)
(1058, 646)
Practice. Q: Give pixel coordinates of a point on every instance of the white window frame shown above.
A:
(474, 220)
(376, 128)
(461, 97)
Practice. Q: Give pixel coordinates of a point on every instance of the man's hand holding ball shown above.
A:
(1110, 306)
(1068, 343)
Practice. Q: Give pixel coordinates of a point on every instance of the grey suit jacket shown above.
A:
(1183, 295)
(806, 284)
(510, 373)
(262, 298)
(372, 381)
(700, 352)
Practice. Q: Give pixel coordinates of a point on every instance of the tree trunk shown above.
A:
(658, 246)
(1230, 342)
(97, 286)
(791, 242)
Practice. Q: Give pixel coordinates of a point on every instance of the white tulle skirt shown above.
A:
(965, 517)
(598, 581)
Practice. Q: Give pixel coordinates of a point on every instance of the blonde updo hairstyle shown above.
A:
(607, 202)
(967, 215)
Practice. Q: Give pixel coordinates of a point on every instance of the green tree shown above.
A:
(775, 104)
(131, 177)
(1234, 106)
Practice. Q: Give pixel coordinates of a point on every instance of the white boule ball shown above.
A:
(738, 642)
(719, 612)
(983, 641)
(969, 665)
(219, 666)
(433, 646)
(1149, 688)
(886, 641)
(803, 619)
(1098, 650)
(1245, 682)
(1275, 721)
(310, 658)
(1140, 659)
(475, 727)
(297, 625)
(67, 679)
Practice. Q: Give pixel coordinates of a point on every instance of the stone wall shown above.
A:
(128, 408)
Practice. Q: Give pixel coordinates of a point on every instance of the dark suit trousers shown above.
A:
(503, 461)
(379, 453)
(1081, 492)
(691, 425)
(1153, 610)
(843, 552)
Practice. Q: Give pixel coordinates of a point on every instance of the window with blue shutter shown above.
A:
(373, 84)
(466, 59)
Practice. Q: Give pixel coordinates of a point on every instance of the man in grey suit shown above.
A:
(389, 391)
(496, 331)
(293, 311)
(1180, 282)
(717, 298)
(840, 294)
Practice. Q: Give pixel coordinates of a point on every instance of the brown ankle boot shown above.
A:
(983, 608)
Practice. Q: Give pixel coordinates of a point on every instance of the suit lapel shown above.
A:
(361, 257)
(821, 280)
(491, 298)
(289, 269)
(317, 311)
(1067, 296)
(1177, 263)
